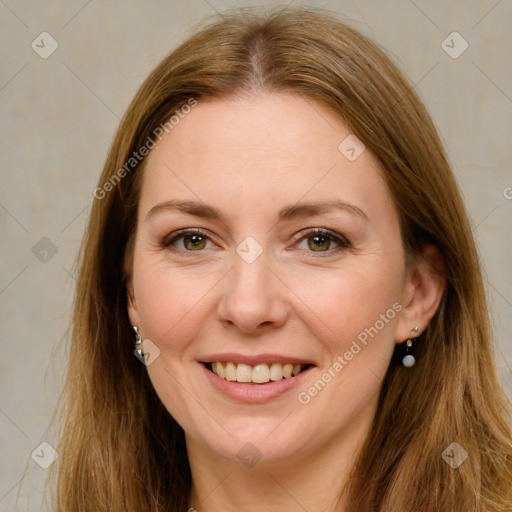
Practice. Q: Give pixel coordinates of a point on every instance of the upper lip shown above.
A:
(232, 357)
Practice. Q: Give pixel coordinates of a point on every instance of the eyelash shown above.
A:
(342, 242)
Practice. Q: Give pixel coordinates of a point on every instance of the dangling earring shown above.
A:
(409, 360)
(138, 343)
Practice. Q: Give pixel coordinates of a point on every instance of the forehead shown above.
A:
(270, 149)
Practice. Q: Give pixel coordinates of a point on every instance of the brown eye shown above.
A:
(194, 242)
(186, 241)
(319, 243)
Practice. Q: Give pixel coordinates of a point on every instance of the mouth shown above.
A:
(259, 374)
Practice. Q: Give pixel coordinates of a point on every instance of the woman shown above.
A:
(268, 376)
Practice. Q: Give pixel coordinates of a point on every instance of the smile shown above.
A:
(260, 373)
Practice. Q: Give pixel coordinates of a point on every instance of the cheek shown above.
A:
(354, 318)
(351, 300)
(168, 300)
(338, 305)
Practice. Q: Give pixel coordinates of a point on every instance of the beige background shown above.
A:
(58, 116)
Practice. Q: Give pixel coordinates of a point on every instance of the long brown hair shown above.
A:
(119, 448)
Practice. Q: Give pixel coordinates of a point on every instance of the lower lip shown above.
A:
(254, 393)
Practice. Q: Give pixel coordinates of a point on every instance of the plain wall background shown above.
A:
(58, 117)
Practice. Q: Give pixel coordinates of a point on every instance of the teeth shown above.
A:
(230, 371)
(219, 370)
(287, 370)
(243, 373)
(276, 371)
(259, 374)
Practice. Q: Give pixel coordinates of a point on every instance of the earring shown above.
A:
(138, 343)
(409, 360)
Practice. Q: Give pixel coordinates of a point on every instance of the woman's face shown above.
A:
(257, 291)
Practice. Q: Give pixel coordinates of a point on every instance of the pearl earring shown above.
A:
(409, 360)
(138, 343)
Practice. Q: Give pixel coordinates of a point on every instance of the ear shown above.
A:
(423, 289)
(131, 303)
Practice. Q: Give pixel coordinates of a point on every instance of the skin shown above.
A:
(249, 157)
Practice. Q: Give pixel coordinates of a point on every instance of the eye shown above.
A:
(320, 240)
(193, 240)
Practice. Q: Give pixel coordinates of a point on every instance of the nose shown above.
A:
(253, 299)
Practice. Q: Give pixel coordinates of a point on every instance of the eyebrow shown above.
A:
(299, 210)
